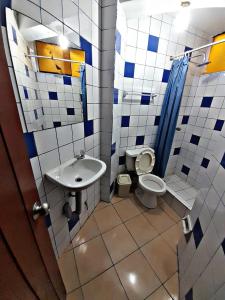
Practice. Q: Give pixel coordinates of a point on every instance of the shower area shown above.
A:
(145, 50)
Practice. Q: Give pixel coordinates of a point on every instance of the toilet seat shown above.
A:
(150, 182)
(145, 162)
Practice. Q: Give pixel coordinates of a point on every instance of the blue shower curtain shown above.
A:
(169, 114)
(83, 91)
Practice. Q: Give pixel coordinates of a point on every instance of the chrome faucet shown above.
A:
(81, 155)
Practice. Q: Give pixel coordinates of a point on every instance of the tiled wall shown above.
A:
(198, 152)
(109, 14)
(204, 116)
(61, 99)
(26, 77)
(144, 70)
(48, 100)
(200, 257)
(201, 162)
(80, 21)
(120, 44)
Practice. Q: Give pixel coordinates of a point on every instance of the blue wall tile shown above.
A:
(87, 47)
(4, 4)
(205, 162)
(206, 101)
(31, 147)
(36, 94)
(88, 128)
(185, 120)
(153, 42)
(145, 99)
(186, 48)
(166, 75)
(223, 161)
(118, 42)
(140, 140)
(157, 120)
(129, 69)
(53, 95)
(197, 233)
(27, 71)
(67, 80)
(189, 295)
(125, 121)
(57, 124)
(185, 170)
(122, 160)
(219, 125)
(176, 151)
(35, 114)
(195, 139)
(113, 148)
(115, 96)
(14, 35)
(70, 111)
(25, 92)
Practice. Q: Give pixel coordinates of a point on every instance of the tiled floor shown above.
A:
(181, 189)
(124, 251)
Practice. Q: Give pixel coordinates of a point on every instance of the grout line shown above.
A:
(114, 264)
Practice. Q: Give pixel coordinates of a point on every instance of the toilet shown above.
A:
(142, 160)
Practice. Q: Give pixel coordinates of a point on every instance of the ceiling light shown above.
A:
(182, 19)
(63, 42)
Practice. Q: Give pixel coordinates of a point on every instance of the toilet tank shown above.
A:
(131, 155)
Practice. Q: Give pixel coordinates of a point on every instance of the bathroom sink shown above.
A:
(77, 174)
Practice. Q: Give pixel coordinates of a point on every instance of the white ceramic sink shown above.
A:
(77, 174)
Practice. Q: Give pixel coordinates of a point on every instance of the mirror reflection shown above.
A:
(50, 74)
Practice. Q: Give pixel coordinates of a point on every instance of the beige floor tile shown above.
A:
(169, 210)
(126, 209)
(116, 199)
(161, 257)
(137, 203)
(76, 295)
(172, 286)
(159, 219)
(119, 243)
(107, 218)
(137, 277)
(105, 287)
(92, 259)
(87, 232)
(141, 230)
(68, 270)
(173, 235)
(102, 204)
(160, 294)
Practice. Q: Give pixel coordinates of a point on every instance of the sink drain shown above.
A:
(78, 179)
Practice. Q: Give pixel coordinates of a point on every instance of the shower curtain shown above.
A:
(83, 91)
(169, 114)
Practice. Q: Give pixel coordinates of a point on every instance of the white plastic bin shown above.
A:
(124, 183)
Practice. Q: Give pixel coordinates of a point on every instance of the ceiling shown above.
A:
(207, 15)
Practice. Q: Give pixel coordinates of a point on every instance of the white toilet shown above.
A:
(150, 186)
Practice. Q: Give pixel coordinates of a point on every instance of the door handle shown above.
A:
(40, 210)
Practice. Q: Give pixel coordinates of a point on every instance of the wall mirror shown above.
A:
(49, 71)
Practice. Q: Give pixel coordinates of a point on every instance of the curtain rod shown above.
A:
(197, 49)
(55, 58)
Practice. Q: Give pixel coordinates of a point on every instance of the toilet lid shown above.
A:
(145, 162)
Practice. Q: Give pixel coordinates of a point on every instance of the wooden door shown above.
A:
(24, 243)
